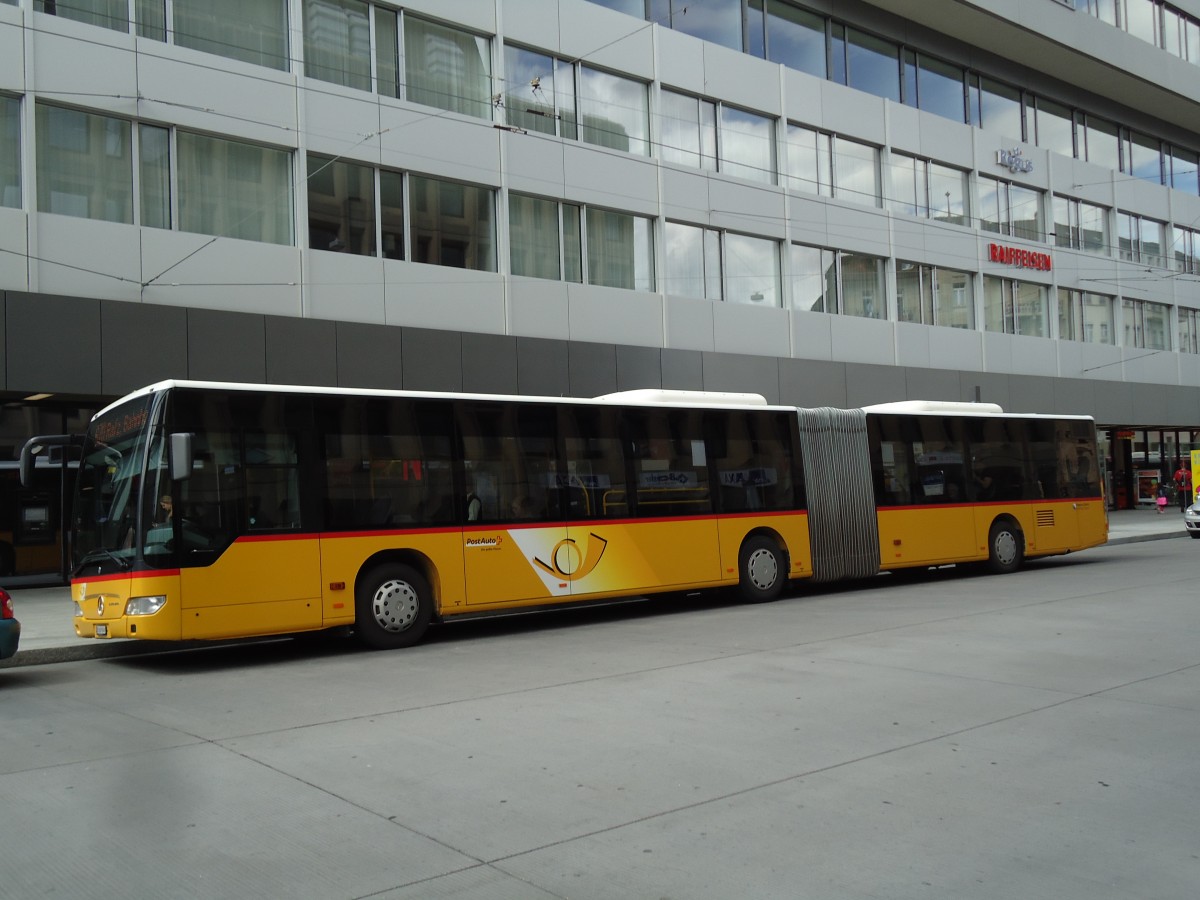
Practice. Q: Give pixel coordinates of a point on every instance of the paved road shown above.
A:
(962, 736)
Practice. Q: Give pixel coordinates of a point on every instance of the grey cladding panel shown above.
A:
(432, 360)
(592, 368)
(931, 384)
(747, 374)
(142, 343)
(867, 385)
(542, 367)
(682, 370)
(301, 351)
(226, 346)
(489, 363)
(812, 383)
(639, 367)
(369, 356)
(52, 344)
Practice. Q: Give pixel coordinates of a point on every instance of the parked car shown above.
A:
(1191, 520)
(10, 628)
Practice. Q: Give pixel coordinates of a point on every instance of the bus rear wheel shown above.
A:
(763, 569)
(1006, 547)
(393, 607)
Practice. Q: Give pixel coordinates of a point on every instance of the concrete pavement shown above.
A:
(48, 634)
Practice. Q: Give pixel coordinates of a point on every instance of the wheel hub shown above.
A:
(762, 569)
(395, 606)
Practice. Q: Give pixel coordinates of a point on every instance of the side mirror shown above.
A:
(180, 449)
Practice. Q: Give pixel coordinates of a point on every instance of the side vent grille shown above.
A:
(1045, 518)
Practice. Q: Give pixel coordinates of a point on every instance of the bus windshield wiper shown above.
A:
(102, 552)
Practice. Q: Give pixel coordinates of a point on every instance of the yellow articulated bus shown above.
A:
(212, 511)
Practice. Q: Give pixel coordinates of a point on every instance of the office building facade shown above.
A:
(826, 203)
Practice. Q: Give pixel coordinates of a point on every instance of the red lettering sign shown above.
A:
(1019, 257)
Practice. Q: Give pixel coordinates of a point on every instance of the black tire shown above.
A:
(8, 564)
(393, 607)
(1194, 535)
(1006, 547)
(762, 569)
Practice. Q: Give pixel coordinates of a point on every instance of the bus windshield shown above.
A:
(107, 489)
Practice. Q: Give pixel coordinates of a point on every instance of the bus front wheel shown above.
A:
(763, 569)
(1006, 547)
(393, 607)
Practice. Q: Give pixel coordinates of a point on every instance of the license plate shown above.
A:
(101, 631)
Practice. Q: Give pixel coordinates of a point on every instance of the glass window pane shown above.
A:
(1157, 319)
(387, 52)
(808, 161)
(447, 68)
(856, 172)
(10, 152)
(684, 263)
(940, 88)
(1146, 158)
(154, 172)
(1184, 165)
(747, 146)
(1097, 314)
(236, 190)
(619, 250)
(993, 205)
(718, 21)
(908, 190)
(629, 7)
(953, 299)
(863, 291)
(337, 42)
(1153, 244)
(112, 14)
(1139, 19)
(811, 269)
(1128, 237)
(914, 302)
(613, 111)
(529, 90)
(997, 305)
(84, 165)
(391, 214)
(533, 236)
(1027, 215)
(341, 206)
(1000, 109)
(680, 129)
(795, 38)
(1093, 228)
(1055, 127)
(752, 270)
(948, 194)
(151, 16)
(1064, 234)
(1067, 314)
(873, 65)
(1033, 314)
(1102, 145)
(572, 243)
(453, 224)
(254, 31)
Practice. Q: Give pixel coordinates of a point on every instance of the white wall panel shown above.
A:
(12, 49)
(534, 164)
(852, 113)
(66, 49)
(612, 316)
(1142, 197)
(912, 345)
(345, 287)
(863, 340)
(440, 297)
(539, 308)
(681, 62)
(98, 259)
(753, 330)
(477, 15)
(203, 92)
(433, 142)
(803, 99)
(812, 335)
(946, 141)
(956, 348)
(741, 79)
(611, 179)
(861, 228)
(1034, 356)
(339, 121)
(685, 195)
(740, 205)
(1154, 367)
(222, 273)
(14, 249)
(534, 23)
(606, 39)
(689, 324)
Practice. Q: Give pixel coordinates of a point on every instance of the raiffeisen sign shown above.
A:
(1018, 257)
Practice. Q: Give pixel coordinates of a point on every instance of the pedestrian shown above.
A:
(1183, 486)
(1163, 497)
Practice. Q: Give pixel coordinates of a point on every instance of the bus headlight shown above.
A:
(144, 606)
(78, 609)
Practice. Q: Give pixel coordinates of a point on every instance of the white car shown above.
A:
(1191, 520)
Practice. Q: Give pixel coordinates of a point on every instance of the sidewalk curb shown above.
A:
(91, 649)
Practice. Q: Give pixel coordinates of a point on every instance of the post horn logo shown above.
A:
(567, 563)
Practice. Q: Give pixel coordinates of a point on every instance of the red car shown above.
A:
(10, 628)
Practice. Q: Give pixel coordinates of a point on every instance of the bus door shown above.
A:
(638, 502)
(514, 528)
(245, 565)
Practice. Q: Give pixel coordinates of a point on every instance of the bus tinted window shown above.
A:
(596, 467)
(1076, 449)
(670, 464)
(917, 459)
(752, 453)
(388, 463)
(510, 462)
(998, 460)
